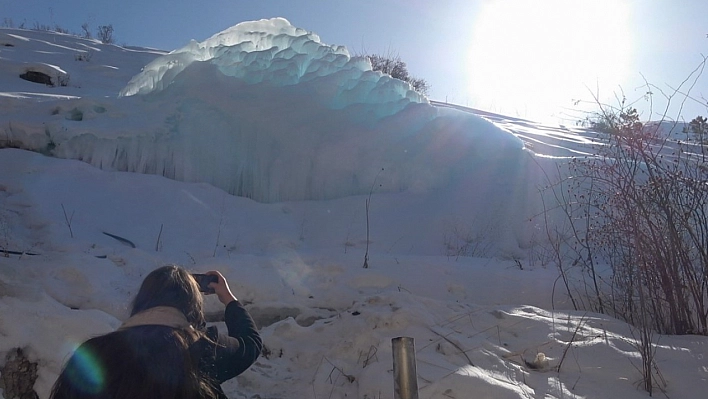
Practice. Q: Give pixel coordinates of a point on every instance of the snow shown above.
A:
(451, 214)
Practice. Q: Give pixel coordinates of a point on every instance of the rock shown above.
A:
(18, 375)
(37, 77)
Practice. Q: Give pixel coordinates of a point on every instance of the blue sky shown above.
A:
(523, 58)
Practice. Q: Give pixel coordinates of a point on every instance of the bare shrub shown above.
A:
(41, 27)
(641, 207)
(698, 131)
(83, 56)
(368, 227)
(653, 201)
(86, 30)
(391, 64)
(638, 206)
(460, 240)
(104, 33)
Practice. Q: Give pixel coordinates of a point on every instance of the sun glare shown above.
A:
(533, 58)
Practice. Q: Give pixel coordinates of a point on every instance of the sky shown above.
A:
(531, 59)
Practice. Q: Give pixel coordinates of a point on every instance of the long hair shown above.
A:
(147, 361)
(143, 362)
(172, 286)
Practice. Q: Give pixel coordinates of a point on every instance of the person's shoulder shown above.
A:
(101, 339)
(126, 337)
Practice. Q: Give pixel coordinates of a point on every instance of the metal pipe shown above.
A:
(405, 384)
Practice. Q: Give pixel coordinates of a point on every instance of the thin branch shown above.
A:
(455, 345)
(157, 243)
(570, 343)
(68, 220)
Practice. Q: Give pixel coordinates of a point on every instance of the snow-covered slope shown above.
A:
(91, 68)
(456, 263)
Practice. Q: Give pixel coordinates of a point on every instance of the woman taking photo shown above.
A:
(164, 350)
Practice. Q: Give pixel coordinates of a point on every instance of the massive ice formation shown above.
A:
(265, 110)
(275, 52)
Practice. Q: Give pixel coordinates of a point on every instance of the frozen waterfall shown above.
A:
(265, 110)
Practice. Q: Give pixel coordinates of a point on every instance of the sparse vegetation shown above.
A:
(368, 204)
(391, 64)
(105, 34)
(460, 240)
(635, 229)
(83, 56)
(59, 29)
(86, 30)
(698, 129)
(643, 203)
(42, 27)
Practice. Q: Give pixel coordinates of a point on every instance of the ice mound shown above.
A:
(275, 52)
(264, 110)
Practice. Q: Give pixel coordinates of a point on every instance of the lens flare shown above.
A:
(85, 371)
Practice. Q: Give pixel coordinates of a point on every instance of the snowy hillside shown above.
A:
(305, 135)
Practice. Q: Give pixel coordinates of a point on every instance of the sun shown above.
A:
(532, 58)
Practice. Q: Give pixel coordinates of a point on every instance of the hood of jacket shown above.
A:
(158, 316)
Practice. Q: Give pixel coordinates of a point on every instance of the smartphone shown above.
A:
(203, 280)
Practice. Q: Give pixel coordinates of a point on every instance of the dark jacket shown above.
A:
(147, 361)
(223, 357)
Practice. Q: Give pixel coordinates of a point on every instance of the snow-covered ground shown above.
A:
(455, 258)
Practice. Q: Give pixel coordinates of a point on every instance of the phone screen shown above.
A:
(203, 280)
